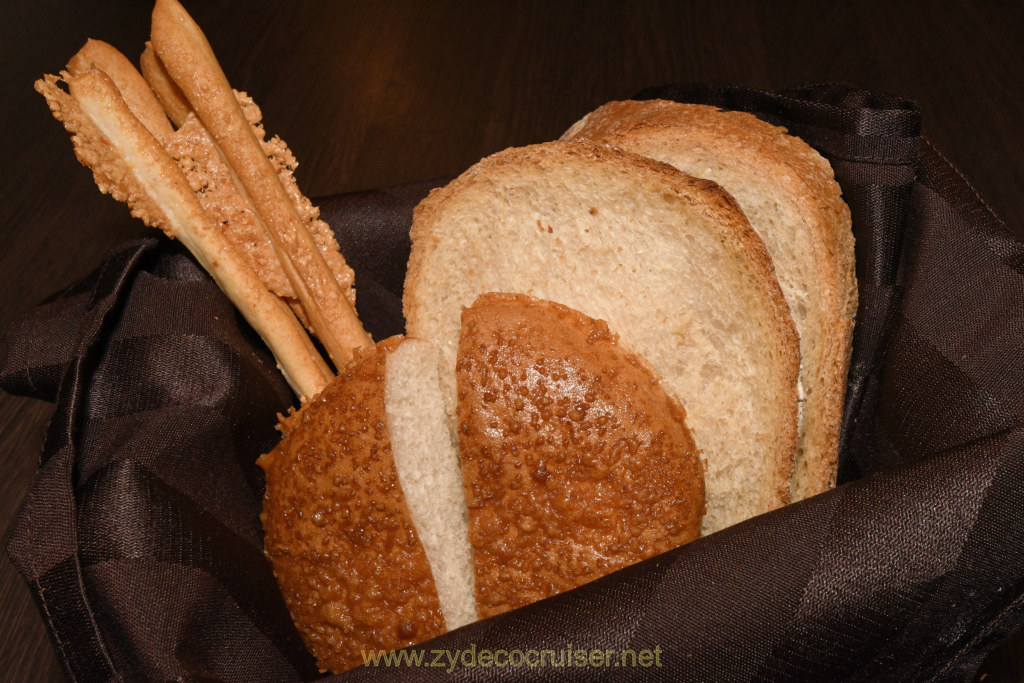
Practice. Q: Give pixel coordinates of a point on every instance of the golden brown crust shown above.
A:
(808, 180)
(576, 462)
(131, 165)
(167, 93)
(702, 195)
(96, 54)
(120, 131)
(338, 531)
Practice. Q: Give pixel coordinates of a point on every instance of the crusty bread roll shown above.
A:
(788, 192)
(564, 301)
(365, 513)
(669, 261)
(339, 530)
(576, 461)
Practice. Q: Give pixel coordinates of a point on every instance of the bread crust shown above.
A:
(576, 461)
(97, 54)
(338, 532)
(802, 175)
(659, 179)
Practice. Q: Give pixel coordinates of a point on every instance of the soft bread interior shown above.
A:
(788, 192)
(427, 462)
(668, 261)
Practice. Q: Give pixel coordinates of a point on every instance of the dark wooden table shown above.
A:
(379, 93)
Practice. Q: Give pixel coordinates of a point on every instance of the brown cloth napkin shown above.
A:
(141, 540)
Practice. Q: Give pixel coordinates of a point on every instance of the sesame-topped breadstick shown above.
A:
(189, 60)
(130, 164)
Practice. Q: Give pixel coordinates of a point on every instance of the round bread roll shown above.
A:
(574, 462)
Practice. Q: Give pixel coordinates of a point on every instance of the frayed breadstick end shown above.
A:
(112, 174)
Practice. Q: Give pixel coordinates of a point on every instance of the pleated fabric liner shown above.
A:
(140, 535)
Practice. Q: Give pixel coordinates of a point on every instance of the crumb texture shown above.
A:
(668, 260)
(427, 461)
(789, 193)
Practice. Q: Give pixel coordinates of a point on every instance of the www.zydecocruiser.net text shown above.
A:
(565, 657)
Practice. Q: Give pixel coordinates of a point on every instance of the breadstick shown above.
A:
(224, 198)
(189, 59)
(167, 94)
(136, 93)
(130, 164)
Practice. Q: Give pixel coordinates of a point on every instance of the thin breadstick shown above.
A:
(177, 108)
(167, 93)
(227, 202)
(132, 165)
(134, 89)
(189, 59)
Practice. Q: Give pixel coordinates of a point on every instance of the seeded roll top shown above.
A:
(576, 461)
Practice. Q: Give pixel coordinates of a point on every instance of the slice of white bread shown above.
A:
(576, 461)
(788, 192)
(669, 261)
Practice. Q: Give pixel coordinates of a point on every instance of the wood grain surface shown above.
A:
(378, 93)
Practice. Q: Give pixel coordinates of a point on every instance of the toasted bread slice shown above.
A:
(669, 261)
(576, 461)
(788, 192)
